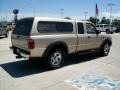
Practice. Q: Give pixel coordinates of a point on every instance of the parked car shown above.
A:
(118, 29)
(3, 31)
(9, 26)
(106, 28)
(54, 38)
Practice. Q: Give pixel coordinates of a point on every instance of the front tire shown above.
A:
(56, 59)
(105, 49)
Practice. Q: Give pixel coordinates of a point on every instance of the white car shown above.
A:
(105, 28)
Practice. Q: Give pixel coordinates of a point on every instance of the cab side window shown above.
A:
(80, 28)
(90, 28)
(54, 27)
(101, 25)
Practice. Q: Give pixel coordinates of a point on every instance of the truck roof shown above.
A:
(57, 19)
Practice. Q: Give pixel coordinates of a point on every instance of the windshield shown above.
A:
(23, 27)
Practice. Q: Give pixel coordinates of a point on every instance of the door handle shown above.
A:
(88, 36)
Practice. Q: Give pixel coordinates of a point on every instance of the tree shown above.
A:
(105, 21)
(93, 20)
(116, 22)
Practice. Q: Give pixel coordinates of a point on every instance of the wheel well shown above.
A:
(58, 45)
(109, 42)
(106, 41)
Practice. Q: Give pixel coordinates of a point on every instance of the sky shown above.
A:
(51, 8)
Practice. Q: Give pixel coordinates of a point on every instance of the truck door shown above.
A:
(93, 39)
(82, 38)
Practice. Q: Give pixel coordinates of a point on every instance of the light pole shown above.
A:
(110, 5)
(61, 13)
(34, 12)
(15, 12)
(6, 15)
(24, 5)
(85, 13)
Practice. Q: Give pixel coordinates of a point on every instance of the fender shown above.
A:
(53, 45)
(106, 40)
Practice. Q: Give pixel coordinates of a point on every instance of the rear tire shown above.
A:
(56, 59)
(105, 49)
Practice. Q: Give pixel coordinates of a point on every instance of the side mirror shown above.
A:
(98, 31)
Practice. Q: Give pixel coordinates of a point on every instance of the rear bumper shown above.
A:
(20, 52)
(27, 53)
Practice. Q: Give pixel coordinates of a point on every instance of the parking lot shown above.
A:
(18, 74)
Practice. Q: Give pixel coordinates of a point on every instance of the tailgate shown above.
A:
(22, 32)
(19, 41)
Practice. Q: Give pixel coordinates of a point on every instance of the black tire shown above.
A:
(107, 31)
(105, 49)
(111, 32)
(55, 58)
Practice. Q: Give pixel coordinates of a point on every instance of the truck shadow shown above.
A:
(76, 59)
(23, 68)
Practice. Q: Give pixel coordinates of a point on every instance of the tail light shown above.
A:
(31, 43)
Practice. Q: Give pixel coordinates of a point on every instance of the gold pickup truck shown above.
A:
(54, 38)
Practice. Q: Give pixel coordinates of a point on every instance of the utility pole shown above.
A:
(24, 5)
(62, 13)
(85, 13)
(6, 15)
(34, 12)
(110, 5)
